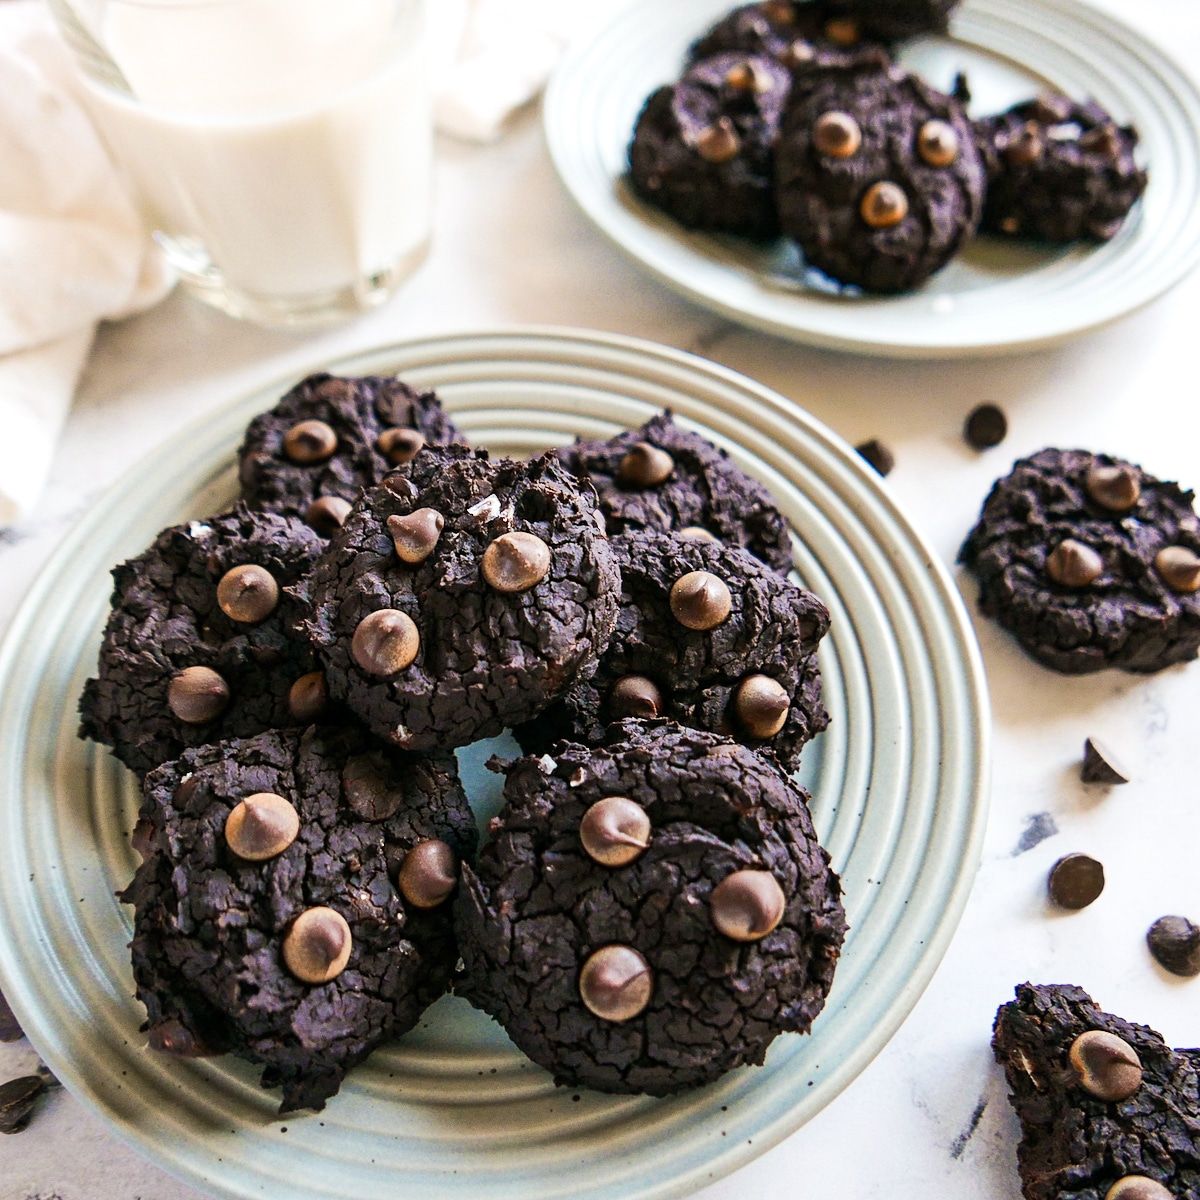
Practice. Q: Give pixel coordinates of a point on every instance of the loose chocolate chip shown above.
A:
(1138, 1187)
(985, 427)
(197, 695)
(400, 446)
(718, 143)
(1075, 881)
(884, 205)
(309, 442)
(699, 533)
(634, 696)
(836, 135)
(1102, 140)
(616, 983)
(1100, 765)
(416, 534)
(385, 642)
(1179, 568)
(1074, 565)
(248, 594)
(316, 947)
(308, 697)
(428, 874)
(700, 601)
(843, 31)
(10, 1031)
(615, 831)
(645, 466)
(368, 793)
(515, 562)
(1175, 944)
(878, 455)
(261, 827)
(1117, 488)
(761, 706)
(1105, 1065)
(18, 1098)
(937, 143)
(747, 77)
(747, 905)
(327, 514)
(1026, 148)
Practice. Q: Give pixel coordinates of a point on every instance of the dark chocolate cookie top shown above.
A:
(463, 594)
(330, 437)
(1100, 1101)
(707, 636)
(199, 645)
(895, 20)
(878, 177)
(1059, 171)
(293, 902)
(650, 914)
(1090, 562)
(665, 477)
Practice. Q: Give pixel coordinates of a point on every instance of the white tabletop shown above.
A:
(928, 1119)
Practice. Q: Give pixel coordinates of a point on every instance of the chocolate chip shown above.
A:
(1100, 765)
(308, 697)
(778, 12)
(798, 54)
(1138, 1187)
(884, 205)
(416, 534)
(747, 905)
(10, 1031)
(615, 831)
(173, 1037)
(261, 827)
(248, 594)
(400, 446)
(1105, 1065)
(1175, 944)
(836, 135)
(645, 466)
(761, 706)
(316, 947)
(1117, 488)
(616, 983)
(367, 790)
(878, 455)
(937, 143)
(18, 1098)
(515, 562)
(197, 695)
(1074, 565)
(843, 31)
(1075, 881)
(718, 143)
(634, 696)
(748, 77)
(1026, 148)
(428, 874)
(1102, 140)
(700, 601)
(698, 533)
(1179, 568)
(309, 442)
(327, 514)
(985, 427)
(385, 642)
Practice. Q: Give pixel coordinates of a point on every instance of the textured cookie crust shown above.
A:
(358, 411)
(774, 629)
(795, 34)
(1128, 617)
(537, 906)
(486, 658)
(705, 489)
(1076, 1147)
(896, 20)
(1059, 171)
(165, 618)
(666, 161)
(820, 197)
(209, 926)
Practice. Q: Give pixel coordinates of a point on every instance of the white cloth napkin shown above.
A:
(73, 249)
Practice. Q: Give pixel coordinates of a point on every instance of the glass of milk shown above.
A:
(282, 149)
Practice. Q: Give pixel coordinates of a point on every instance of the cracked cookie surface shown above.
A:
(895, 20)
(798, 35)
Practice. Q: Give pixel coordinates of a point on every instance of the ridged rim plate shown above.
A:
(453, 1110)
(994, 298)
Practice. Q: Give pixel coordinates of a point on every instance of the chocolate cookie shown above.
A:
(702, 147)
(707, 636)
(650, 914)
(877, 177)
(1090, 563)
(199, 645)
(292, 902)
(1059, 171)
(894, 20)
(1108, 1111)
(665, 477)
(329, 438)
(804, 36)
(462, 595)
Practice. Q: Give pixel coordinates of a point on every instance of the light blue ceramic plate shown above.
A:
(453, 1110)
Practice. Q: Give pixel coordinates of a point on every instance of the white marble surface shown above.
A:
(928, 1119)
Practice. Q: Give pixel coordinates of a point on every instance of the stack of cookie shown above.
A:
(290, 680)
(791, 119)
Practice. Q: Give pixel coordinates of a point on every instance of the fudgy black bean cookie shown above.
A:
(702, 147)
(329, 438)
(1090, 563)
(894, 20)
(1059, 171)
(802, 36)
(665, 477)
(650, 914)
(1108, 1111)
(878, 177)
(707, 636)
(461, 595)
(292, 905)
(200, 643)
